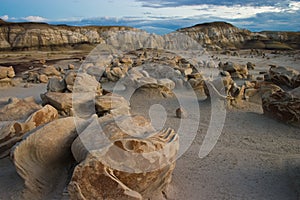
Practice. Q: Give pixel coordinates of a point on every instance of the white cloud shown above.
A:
(35, 19)
(220, 11)
(4, 17)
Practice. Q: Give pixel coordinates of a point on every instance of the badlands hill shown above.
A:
(216, 35)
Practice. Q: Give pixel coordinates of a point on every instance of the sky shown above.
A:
(157, 16)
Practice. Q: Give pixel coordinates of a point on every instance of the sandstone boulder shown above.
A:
(111, 104)
(7, 72)
(12, 132)
(43, 159)
(285, 76)
(124, 159)
(17, 109)
(61, 101)
(283, 106)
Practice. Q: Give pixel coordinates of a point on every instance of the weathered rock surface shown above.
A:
(17, 109)
(236, 70)
(283, 106)
(24, 36)
(43, 159)
(216, 35)
(220, 35)
(111, 104)
(285, 76)
(7, 72)
(12, 132)
(124, 159)
(6, 75)
(61, 101)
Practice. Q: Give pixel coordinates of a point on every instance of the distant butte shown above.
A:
(213, 36)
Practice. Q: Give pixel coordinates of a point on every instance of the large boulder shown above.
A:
(285, 76)
(44, 159)
(122, 158)
(111, 103)
(17, 109)
(283, 106)
(12, 132)
(61, 101)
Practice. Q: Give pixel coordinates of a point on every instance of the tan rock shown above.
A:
(112, 104)
(285, 76)
(17, 109)
(71, 66)
(50, 71)
(61, 101)
(70, 80)
(7, 72)
(12, 132)
(126, 158)
(44, 158)
(6, 82)
(43, 78)
(283, 106)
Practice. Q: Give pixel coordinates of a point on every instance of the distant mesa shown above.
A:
(213, 36)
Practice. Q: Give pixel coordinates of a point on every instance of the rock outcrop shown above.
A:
(216, 35)
(222, 35)
(285, 76)
(283, 106)
(124, 159)
(22, 36)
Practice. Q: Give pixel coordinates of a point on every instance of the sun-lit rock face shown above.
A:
(38, 35)
(124, 159)
(214, 35)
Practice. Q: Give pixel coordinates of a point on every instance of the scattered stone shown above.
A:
(250, 66)
(56, 85)
(181, 113)
(43, 78)
(71, 67)
(7, 72)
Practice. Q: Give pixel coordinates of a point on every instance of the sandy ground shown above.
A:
(255, 157)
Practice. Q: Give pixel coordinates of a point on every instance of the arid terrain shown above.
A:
(257, 107)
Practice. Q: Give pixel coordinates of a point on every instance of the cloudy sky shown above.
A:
(159, 16)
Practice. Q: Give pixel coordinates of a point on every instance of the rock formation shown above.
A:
(123, 159)
(283, 106)
(222, 35)
(12, 132)
(6, 75)
(285, 76)
(22, 36)
(44, 159)
(216, 35)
